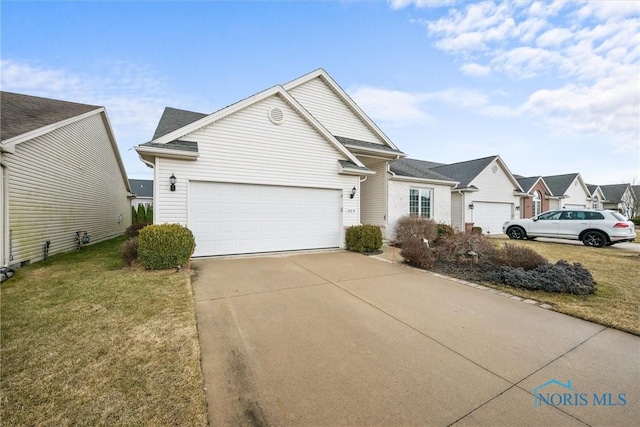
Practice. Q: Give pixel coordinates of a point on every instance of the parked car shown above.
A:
(593, 227)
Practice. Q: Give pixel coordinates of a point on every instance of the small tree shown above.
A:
(134, 215)
(141, 213)
(149, 216)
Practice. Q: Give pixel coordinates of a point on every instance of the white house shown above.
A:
(62, 177)
(597, 196)
(285, 169)
(142, 190)
(569, 191)
(619, 197)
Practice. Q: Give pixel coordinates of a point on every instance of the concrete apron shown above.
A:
(338, 338)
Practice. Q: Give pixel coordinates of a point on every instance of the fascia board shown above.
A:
(395, 177)
(10, 144)
(344, 96)
(366, 150)
(509, 174)
(167, 153)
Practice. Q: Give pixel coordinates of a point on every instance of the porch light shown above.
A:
(172, 181)
(353, 192)
(470, 205)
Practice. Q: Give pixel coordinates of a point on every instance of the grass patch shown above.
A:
(616, 303)
(86, 341)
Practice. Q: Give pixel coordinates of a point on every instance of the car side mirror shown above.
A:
(535, 218)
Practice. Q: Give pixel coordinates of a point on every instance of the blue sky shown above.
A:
(551, 87)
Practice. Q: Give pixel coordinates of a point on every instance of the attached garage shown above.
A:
(491, 216)
(230, 218)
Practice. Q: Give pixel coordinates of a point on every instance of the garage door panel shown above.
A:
(241, 218)
(491, 216)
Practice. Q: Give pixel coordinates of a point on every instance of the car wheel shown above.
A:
(594, 238)
(516, 233)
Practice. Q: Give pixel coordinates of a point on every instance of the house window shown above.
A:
(596, 203)
(420, 202)
(537, 203)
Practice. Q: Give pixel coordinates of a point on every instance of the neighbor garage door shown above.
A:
(491, 216)
(240, 218)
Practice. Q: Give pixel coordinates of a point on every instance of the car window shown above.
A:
(619, 216)
(594, 215)
(553, 215)
(569, 215)
(581, 215)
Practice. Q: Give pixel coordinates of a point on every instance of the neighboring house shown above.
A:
(537, 196)
(597, 196)
(288, 168)
(414, 189)
(61, 175)
(142, 190)
(619, 197)
(636, 207)
(569, 191)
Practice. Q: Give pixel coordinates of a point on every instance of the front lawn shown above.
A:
(86, 341)
(616, 303)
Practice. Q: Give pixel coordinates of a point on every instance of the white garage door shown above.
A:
(240, 218)
(491, 216)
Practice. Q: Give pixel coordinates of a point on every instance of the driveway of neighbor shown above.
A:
(337, 338)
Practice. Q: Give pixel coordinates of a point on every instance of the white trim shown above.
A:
(395, 177)
(4, 215)
(168, 153)
(10, 144)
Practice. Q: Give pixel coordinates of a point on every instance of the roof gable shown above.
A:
(614, 193)
(465, 172)
(417, 169)
(157, 145)
(528, 183)
(559, 184)
(25, 114)
(142, 187)
(343, 97)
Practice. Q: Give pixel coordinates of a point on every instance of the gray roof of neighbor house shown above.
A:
(526, 182)
(591, 188)
(354, 143)
(24, 113)
(173, 119)
(417, 169)
(614, 192)
(142, 187)
(558, 184)
(636, 191)
(464, 172)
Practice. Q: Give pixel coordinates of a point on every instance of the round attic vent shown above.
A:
(276, 116)
(494, 168)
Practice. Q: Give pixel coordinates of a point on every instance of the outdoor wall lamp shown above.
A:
(172, 181)
(353, 193)
(517, 208)
(470, 205)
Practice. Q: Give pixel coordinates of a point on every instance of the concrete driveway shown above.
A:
(337, 338)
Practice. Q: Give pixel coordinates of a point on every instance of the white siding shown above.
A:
(327, 107)
(246, 147)
(399, 202)
(374, 194)
(494, 186)
(576, 196)
(62, 182)
(457, 211)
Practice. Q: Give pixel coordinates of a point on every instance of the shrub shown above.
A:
(129, 250)
(459, 248)
(558, 277)
(476, 230)
(364, 238)
(148, 218)
(444, 231)
(411, 227)
(134, 229)
(165, 246)
(417, 253)
(134, 215)
(518, 256)
(636, 220)
(141, 213)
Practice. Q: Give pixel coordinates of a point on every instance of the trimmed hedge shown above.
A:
(165, 246)
(364, 238)
(558, 277)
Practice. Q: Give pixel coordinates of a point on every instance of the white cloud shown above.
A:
(476, 70)
(554, 37)
(392, 107)
(401, 4)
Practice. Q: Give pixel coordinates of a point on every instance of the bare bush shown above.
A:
(411, 227)
(417, 253)
(519, 256)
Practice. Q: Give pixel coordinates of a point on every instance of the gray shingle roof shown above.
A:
(558, 184)
(364, 144)
(636, 191)
(591, 188)
(20, 114)
(173, 119)
(141, 187)
(174, 145)
(527, 182)
(614, 192)
(417, 169)
(464, 172)
(350, 165)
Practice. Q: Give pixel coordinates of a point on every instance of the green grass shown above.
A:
(87, 341)
(616, 303)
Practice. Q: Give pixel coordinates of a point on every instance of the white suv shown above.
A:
(593, 227)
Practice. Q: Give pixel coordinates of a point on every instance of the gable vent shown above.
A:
(276, 116)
